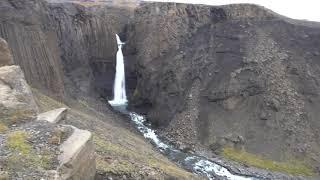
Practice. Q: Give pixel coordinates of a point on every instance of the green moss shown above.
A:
(113, 149)
(3, 128)
(22, 155)
(294, 167)
(17, 142)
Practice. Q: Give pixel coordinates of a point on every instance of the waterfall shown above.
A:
(192, 162)
(119, 89)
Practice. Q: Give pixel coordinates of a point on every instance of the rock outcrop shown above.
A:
(77, 160)
(5, 54)
(246, 71)
(17, 104)
(43, 149)
(53, 116)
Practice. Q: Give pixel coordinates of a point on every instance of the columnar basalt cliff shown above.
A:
(237, 75)
(210, 78)
(66, 48)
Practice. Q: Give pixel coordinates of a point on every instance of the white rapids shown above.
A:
(192, 162)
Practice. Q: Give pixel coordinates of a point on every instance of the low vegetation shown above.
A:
(294, 167)
(3, 128)
(22, 155)
(125, 161)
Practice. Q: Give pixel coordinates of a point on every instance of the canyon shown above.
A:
(238, 84)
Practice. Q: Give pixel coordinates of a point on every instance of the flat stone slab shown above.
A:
(53, 116)
(78, 156)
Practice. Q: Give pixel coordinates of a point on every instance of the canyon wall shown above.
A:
(237, 75)
(66, 49)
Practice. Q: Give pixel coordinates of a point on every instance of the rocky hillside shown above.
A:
(236, 76)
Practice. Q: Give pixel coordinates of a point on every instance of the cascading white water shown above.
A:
(119, 89)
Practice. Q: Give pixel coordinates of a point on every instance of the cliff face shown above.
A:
(236, 75)
(67, 48)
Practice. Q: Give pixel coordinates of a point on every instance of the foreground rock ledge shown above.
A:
(78, 156)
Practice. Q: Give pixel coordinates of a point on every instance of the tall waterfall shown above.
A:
(192, 162)
(119, 89)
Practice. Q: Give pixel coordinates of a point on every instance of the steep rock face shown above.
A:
(26, 27)
(5, 54)
(65, 48)
(238, 73)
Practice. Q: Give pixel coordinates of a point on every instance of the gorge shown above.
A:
(196, 164)
(229, 89)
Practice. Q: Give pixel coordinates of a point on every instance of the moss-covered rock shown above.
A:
(27, 152)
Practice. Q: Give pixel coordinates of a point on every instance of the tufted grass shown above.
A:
(22, 155)
(126, 161)
(294, 167)
(3, 128)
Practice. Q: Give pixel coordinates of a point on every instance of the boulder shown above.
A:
(53, 116)
(5, 54)
(77, 160)
(16, 100)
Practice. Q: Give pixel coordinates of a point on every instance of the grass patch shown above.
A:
(293, 167)
(13, 116)
(44, 102)
(22, 155)
(125, 161)
(3, 128)
(17, 142)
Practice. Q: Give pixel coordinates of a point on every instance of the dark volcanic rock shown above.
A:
(66, 48)
(243, 69)
(203, 74)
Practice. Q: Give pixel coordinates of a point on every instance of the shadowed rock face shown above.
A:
(65, 48)
(207, 74)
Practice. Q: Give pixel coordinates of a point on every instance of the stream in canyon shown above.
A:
(191, 162)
